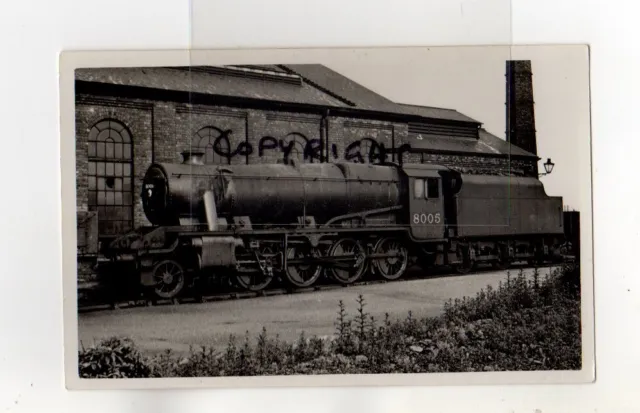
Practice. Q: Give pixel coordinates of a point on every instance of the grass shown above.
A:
(521, 325)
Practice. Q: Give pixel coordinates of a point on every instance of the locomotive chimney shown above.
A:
(520, 119)
(193, 157)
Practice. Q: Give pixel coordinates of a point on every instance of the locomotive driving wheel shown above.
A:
(302, 274)
(396, 261)
(169, 277)
(349, 264)
(258, 279)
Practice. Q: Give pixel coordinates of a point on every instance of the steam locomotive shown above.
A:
(256, 223)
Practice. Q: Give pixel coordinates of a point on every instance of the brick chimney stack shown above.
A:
(521, 125)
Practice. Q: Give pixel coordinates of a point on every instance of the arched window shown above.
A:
(297, 143)
(371, 152)
(110, 176)
(365, 150)
(214, 143)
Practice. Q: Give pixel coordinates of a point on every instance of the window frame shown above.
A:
(116, 166)
(418, 188)
(205, 138)
(429, 189)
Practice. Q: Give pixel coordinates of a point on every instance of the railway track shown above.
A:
(89, 305)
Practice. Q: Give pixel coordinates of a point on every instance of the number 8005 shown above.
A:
(426, 218)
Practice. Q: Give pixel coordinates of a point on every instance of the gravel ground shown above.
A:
(176, 327)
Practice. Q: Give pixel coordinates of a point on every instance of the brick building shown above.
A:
(127, 118)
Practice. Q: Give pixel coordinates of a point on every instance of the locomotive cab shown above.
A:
(426, 201)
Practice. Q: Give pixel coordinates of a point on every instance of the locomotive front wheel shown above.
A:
(303, 274)
(395, 264)
(256, 280)
(169, 277)
(349, 264)
(253, 281)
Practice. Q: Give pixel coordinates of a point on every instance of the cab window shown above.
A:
(432, 189)
(418, 188)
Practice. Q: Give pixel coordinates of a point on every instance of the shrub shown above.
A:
(112, 358)
(522, 325)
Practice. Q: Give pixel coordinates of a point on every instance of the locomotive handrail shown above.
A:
(361, 214)
(293, 232)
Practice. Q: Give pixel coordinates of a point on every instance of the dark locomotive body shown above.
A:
(271, 195)
(255, 223)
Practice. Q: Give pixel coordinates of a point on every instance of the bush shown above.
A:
(521, 325)
(112, 358)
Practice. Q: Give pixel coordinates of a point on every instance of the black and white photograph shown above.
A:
(327, 216)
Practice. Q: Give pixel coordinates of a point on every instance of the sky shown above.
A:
(472, 81)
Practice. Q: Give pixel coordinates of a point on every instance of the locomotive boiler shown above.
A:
(253, 224)
(192, 193)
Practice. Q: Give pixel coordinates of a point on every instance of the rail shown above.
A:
(106, 305)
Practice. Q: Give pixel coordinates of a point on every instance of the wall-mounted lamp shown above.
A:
(548, 167)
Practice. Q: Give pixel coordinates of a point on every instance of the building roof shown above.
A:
(310, 84)
(487, 144)
(305, 84)
(364, 98)
(215, 81)
(434, 113)
(502, 145)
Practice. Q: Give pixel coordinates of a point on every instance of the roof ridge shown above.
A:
(317, 86)
(361, 86)
(426, 106)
